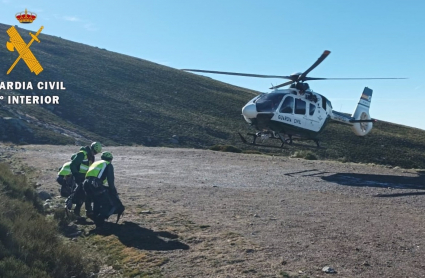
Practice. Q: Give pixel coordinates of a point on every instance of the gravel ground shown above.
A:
(214, 214)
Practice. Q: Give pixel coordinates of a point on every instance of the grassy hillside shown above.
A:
(129, 100)
(387, 144)
(118, 99)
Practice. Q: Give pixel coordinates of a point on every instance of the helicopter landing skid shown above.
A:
(254, 143)
(307, 146)
(288, 141)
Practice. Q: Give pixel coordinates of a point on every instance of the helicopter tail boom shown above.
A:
(360, 121)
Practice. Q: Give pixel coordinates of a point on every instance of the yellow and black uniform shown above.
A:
(65, 179)
(81, 162)
(99, 186)
(65, 170)
(101, 173)
(79, 167)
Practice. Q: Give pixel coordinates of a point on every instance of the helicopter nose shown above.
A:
(249, 111)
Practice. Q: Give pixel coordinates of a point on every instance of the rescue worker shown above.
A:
(79, 166)
(100, 187)
(65, 179)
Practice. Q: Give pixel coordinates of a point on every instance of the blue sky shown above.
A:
(366, 39)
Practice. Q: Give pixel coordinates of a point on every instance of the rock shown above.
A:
(106, 270)
(256, 215)
(146, 212)
(76, 234)
(366, 263)
(327, 269)
(44, 195)
(46, 206)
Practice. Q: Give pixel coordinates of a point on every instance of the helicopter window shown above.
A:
(300, 106)
(287, 105)
(324, 100)
(269, 102)
(312, 109)
(258, 97)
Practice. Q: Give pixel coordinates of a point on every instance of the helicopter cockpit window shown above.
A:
(287, 105)
(300, 107)
(269, 102)
(312, 109)
(258, 97)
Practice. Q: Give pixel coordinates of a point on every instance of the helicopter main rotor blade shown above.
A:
(239, 74)
(318, 78)
(360, 78)
(281, 85)
(321, 58)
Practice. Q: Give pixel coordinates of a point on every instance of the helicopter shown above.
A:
(298, 112)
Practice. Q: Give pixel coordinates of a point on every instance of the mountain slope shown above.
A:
(118, 99)
(129, 100)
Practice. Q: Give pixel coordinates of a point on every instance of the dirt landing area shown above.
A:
(213, 214)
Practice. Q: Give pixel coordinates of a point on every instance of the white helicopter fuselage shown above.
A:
(298, 110)
(303, 113)
(289, 111)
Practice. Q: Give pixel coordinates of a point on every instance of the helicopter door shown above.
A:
(286, 111)
(310, 120)
(316, 116)
(300, 113)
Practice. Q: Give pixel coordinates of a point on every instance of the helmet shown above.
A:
(106, 156)
(96, 147)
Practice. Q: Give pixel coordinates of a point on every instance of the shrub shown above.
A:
(252, 152)
(225, 148)
(309, 155)
(30, 245)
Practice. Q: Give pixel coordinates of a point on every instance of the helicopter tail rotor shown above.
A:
(362, 123)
